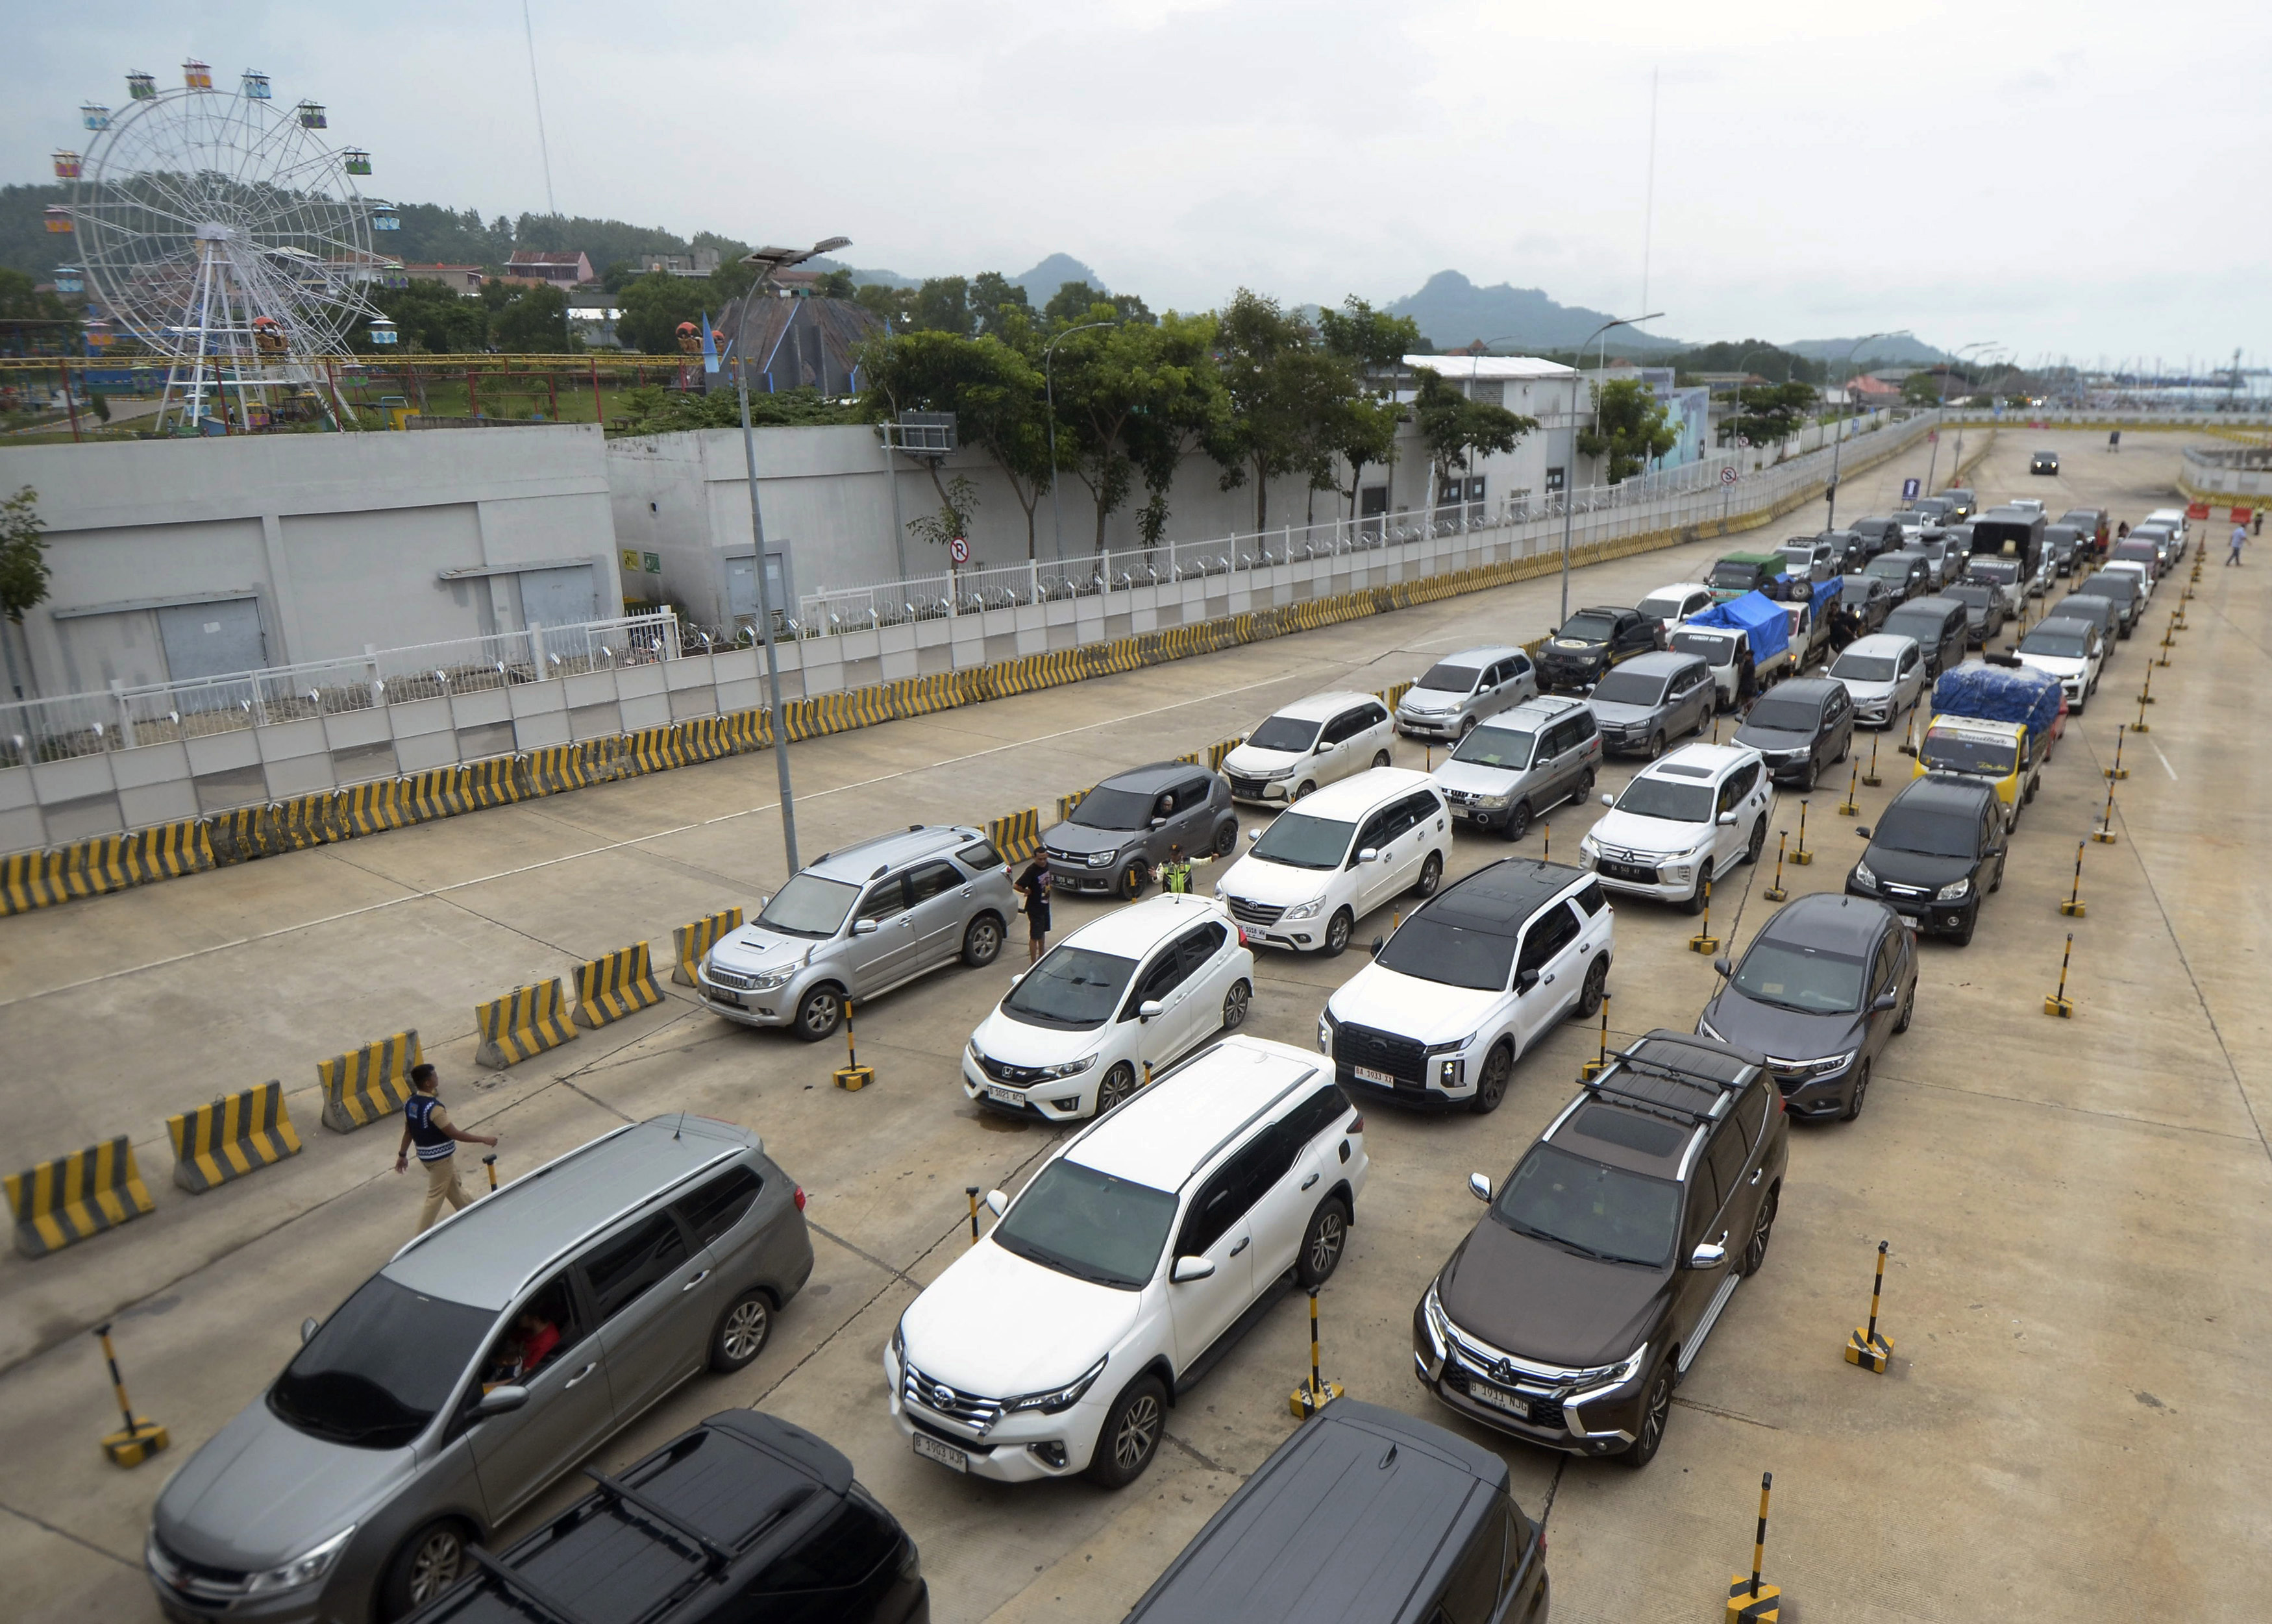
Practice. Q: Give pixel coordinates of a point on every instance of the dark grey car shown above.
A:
(1984, 613)
(1124, 827)
(1801, 727)
(1653, 699)
(487, 1358)
(1821, 992)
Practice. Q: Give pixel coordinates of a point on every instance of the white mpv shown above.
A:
(1120, 997)
(1323, 866)
(1684, 820)
(1309, 744)
(1133, 1260)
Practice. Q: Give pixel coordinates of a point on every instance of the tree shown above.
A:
(23, 567)
(958, 505)
(1071, 303)
(532, 321)
(654, 306)
(431, 317)
(1373, 339)
(1766, 413)
(1632, 431)
(653, 409)
(890, 305)
(1924, 388)
(1132, 398)
(994, 298)
(1456, 429)
(836, 284)
(994, 391)
(942, 305)
(618, 276)
(1282, 388)
(1363, 430)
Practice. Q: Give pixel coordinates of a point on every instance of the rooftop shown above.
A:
(1491, 366)
(1160, 1137)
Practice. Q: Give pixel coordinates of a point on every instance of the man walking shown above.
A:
(427, 1125)
(2240, 538)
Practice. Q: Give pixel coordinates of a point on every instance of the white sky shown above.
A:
(2088, 179)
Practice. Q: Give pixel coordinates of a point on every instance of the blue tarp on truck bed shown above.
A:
(2000, 693)
(1766, 620)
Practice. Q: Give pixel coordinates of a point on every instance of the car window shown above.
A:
(1549, 934)
(1161, 977)
(1227, 1196)
(980, 858)
(1346, 726)
(1591, 898)
(381, 1366)
(619, 1269)
(842, 1553)
(1471, 1592)
(1190, 793)
(883, 899)
(718, 1205)
(1729, 1150)
(1196, 947)
(1371, 716)
(1751, 1112)
(1881, 967)
(1419, 808)
(546, 1327)
(1382, 827)
(932, 879)
(1703, 1205)
(1327, 1108)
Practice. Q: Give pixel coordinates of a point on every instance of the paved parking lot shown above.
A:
(2078, 1210)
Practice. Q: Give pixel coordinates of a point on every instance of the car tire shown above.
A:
(1133, 878)
(425, 1565)
(1236, 1004)
(1226, 838)
(819, 1013)
(981, 941)
(1806, 779)
(1490, 1083)
(1307, 786)
(1381, 758)
(1655, 745)
(1695, 903)
(1322, 1244)
(1518, 821)
(1432, 875)
(1337, 933)
(1131, 1433)
(1655, 1416)
(1596, 988)
(1962, 937)
(1119, 1084)
(1909, 1009)
(741, 1331)
(1755, 1249)
(1758, 842)
(1856, 1094)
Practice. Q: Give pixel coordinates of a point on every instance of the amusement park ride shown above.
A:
(225, 234)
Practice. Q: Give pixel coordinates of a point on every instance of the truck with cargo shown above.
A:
(1747, 642)
(1995, 721)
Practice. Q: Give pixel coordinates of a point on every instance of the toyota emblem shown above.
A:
(942, 1395)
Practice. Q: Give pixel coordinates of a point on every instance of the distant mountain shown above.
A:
(860, 277)
(1042, 282)
(1899, 350)
(1452, 312)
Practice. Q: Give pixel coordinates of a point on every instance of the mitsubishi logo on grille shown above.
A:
(942, 1396)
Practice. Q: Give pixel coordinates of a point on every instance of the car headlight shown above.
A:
(977, 1054)
(1709, 1030)
(1453, 1047)
(305, 1568)
(1058, 1400)
(1823, 1067)
(1587, 844)
(899, 1345)
(1099, 859)
(1493, 802)
(1438, 1322)
(1862, 877)
(1070, 1069)
(772, 980)
(1307, 910)
(1281, 772)
(1628, 1368)
(1327, 1027)
(1956, 891)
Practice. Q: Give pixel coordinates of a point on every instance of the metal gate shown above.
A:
(212, 640)
(558, 597)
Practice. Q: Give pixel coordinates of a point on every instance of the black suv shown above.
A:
(2043, 462)
(1572, 1310)
(1962, 504)
(1364, 1516)
(1591, 642)
(1985, 612)
(744, 1517)
(1879, 533)
(1936, 851)
(1801, 727)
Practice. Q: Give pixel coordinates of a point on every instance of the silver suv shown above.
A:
(1462, 689)
(860, 922)
(1521, 762)
(489, 1357)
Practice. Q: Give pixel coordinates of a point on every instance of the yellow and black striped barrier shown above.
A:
(434, 793)
(238, 1134)
(59, 1203)
(372, 808)
(553, 769)
(1866, 1347)
(140, 1437)
(368, 1083)
(690, 942)
(614, 986)
(493, 782)
(1394, 694)
(521, 1025)
(1751, 1601)
(30, 880)
(1066, 802)
(657, 750)
(1018, 835)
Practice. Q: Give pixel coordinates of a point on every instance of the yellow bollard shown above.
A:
(1317, 1393)
(1871, 777)
(140, 1439)
(2059, 1003)
(1866, 1347)
(2104, 833)
(2074, 907)
(852, 1076)
(2117, 770)
(1600, 1063)
(1849, 807)
(489, 1161)
(1753, 1600)
(2141, 725)
(971, 1190)
(1704, 942)
(1802, 856)
(1775, 893)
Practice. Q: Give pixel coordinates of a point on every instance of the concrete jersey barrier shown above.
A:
(236, 1134)
(368, 1083)
(521, 1025)
(60, 1203)
(689, 942)
(614, 986)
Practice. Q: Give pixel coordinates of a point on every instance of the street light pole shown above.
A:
(1838, 440)
(1570, 478)
(1050, 400)
(769, 260)
(1940, 416)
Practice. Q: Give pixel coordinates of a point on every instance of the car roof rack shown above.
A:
(715, 1556)
(1650, 1085)
(523, 1588)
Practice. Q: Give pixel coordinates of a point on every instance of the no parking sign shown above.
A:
(959, 549)
(1727, 476)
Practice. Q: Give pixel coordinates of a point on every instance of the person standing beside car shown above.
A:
(1033, 885)
(426, 1125)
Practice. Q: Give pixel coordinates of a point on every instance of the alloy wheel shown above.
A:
(1235, 1005)
(1138, 1431)
(1119, 1083)
(1327, 1238)
(435, 1566)
(746, 1329)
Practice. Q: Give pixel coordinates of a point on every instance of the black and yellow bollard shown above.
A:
(140, 1437)
(1801, 856)
(489, 1162)
(1753, 1600)
(1546, 847)
(2117, 770)
(971, 1190)
(1909, 734)
(2073, 908)
(1871, 778)
(852, 1076)
(1775, 893)
(2169, 641)
(1704, 942)
(2059, 1003)
(2104, 833)
(1849, 807)
(1866, 1347)
(2146, 691)
(2141, 725)
(1317, 1393)
(1600, 1063)
(1147, 1073)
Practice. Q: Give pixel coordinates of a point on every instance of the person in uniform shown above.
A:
(427, 1127)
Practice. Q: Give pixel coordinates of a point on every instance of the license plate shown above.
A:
(944, 1453)
(717, 995)
(1365, 1073)
(1513, 1403)
(1007, 1097)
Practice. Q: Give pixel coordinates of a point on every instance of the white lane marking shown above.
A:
(2166, 767)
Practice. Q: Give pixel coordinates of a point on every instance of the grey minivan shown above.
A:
(1941, 627)
(1539, 754)
(1129, 824)
(489, 1357)
(1462, 689)
(860, 922)
(1652, 698)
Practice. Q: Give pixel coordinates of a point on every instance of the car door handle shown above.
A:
(1758, 1173)
(1241, 1246)
(581, 1374)
(698, 1280)
(1312, 1179)
(1548, 978)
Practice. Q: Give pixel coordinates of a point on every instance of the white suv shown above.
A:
(1323, 866)
(1669, 606)
(1127, 1266)
(1689, 817)
(1308, 744)
(1122, 996)
(1469, 983)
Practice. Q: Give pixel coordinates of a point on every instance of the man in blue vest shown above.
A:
(428, 1126)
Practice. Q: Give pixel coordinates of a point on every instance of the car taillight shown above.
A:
(1357, 1125)
(1242, 934)
(800, 1198)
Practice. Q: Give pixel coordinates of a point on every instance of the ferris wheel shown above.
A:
(225, 233)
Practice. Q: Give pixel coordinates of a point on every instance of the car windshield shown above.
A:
(1630, 687)
(1300, 841)
(1507, 747)
(1925, 627)
(1807, 979)
(810, 906)
(1290, 734)
(1088, 1224)
(1725, 574)
(2121, 588)
(1705, 646)
(381, 1367)
(2057, 643)
(1450, 954)
(1887, 567)
(1977, 596)
(1660, 608)
(1928, 834)
(1449, 679)
(1651, 797)
(1113, 809)
(1864, 667)
(2003, 573)
(1588, 627)
(1854, 589)
(1602, 1212)
(1784, 716)
(1072, 989)
(1967, 751)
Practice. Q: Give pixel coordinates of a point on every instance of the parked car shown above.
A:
(2151, 543)
(1984, 613)
(1669, 606)
(1884, 675)
(1468, 983)
(2009, 576)
(1128, 1264)
(744, 1515)
(1306, 746)
(1799, 728)
(1591, 642)
(1811, 558)
(1963, 504)
(1739, 573)
(857, 923)
(2043, 462)
(1914, 526)
(1522, 762)
(1124, 995)
(1849, 552)
(1586, 1293)
(2027, 504)
(2136, 569)
(2072, 650)
(1940, 509)
(1938, 627)
(487, 1358)
(1868, 596)
(1460, 690)
(1317, 870)
(2066, 546)
(2179, 527)
(1310, 1519)
(2093, 523)
(1826, 985)
(1127, 825)
(1935, 854)
(1681, 821)
(1651, 699)
(2126, 592)
(2104, 613)
(1880, 533)
(1905, 574)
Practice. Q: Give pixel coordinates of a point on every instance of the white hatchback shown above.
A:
(1683, 820)
(1306, 746)
(1121, 997)
(1323, 866)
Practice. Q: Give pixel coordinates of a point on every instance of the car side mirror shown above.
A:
(1150, 1009)
(308, 1330)
(997, 1203)
(1159, 823)
(1252, 836)
(1862, 831)
(1525, 979)
(864, 927)
(1883, 1002)
(1710, 1254)
(1722, 967)
(1370, 854)
(1479, 1186)
(1015, 979)
(1609, 800)
(1190, 1268)
(1726, 821)
(764, 902)
(501, 1400)
(1374, 947)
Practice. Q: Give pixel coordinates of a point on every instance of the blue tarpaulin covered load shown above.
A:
(2000, 693)
(1766, 620)
(1824, 592)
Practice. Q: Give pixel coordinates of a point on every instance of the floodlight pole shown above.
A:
(1940, 416)
(1570, 478)
(1838, 440)
(1049, 394)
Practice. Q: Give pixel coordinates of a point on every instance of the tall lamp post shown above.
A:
(1570, 479)
(768, 260)
(1050, 402)
(1838, 442)
(1940, 416)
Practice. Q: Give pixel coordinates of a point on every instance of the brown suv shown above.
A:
(1572, 1310)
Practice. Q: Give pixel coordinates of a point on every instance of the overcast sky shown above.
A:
(2087, 179)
